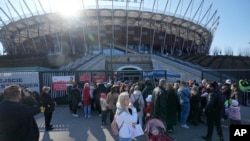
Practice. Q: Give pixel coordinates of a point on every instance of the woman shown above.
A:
(235, 94)
(172, 107)
(137, 95)
(86, 100)
(194, 106)
(111, 102)
(123, 118)
(49, 105)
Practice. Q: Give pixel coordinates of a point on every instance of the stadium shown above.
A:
(115, 35)
(133, 29)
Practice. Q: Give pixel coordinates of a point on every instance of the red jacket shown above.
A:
(86, 96)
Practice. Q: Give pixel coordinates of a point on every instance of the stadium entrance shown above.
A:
(130, 74)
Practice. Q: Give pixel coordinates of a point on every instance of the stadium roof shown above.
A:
(191, 20)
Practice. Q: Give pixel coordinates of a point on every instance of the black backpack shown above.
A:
(136, 104)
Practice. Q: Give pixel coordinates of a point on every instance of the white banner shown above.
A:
(60, 83)
(24, 79)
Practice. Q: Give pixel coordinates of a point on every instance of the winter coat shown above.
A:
(17, 121)
(112, 99)
(75, 96)
(137, 94)
(86, 96)
(172, 106)
(127, 119)
(47, 102)
(159, 100)
(234, 112)
(184, 95)
(103, 103)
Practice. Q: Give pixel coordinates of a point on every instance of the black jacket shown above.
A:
(159, 103)
(47, 102)
(17, 121)
(214, 104)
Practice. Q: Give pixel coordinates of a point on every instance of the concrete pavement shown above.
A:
(69, 128)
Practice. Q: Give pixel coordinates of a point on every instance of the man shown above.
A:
(159, 98)
(184, 98)
(75, 96)
(49, 105)
(17, 118)
(213, 112)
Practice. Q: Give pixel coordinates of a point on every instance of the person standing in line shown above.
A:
(123, 118)
(49, 105)
(184, 98)
(234, 112)
(194, 106)
(104, 108)
(172, 108)
(111, 101)
(213, 110)
(97, 94)
(137, 95)
(17, 121)
(159, 101)
(86, 100)
(75, 95)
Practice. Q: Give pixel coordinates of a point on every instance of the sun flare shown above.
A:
(67, 8)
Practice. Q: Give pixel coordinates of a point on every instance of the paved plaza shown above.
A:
(69, 128)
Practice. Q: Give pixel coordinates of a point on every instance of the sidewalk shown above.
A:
(69, 128)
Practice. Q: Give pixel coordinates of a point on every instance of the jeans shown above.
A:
(104, 117)
(87, 110)
(185, 108)
(140, 121)
(124, 139)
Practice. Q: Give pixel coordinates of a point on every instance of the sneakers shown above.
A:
(75, 115)
(89, 116)
(185, 126)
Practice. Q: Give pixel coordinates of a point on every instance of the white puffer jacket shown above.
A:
(127, 119)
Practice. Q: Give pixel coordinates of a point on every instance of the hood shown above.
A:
(137, 92)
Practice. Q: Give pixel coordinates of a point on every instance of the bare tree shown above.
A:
(228, 51)
(244, 52)
(216, 51)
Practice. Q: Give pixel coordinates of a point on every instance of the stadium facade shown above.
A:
(173, 27)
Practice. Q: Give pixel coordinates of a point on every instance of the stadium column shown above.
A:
(85, 50)
(126, 52)
(98, 26)
(142, 2)
(152, 42)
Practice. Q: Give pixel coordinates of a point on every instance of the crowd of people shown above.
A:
(126, 103)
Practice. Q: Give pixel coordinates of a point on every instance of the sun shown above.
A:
(67, 8)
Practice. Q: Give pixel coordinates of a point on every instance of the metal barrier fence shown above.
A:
(221, 75)
(80, 77)
(235, 75)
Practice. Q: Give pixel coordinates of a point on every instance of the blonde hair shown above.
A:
(194, 90)
(121, 101)
(86, 85)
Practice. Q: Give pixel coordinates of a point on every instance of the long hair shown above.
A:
(121, 103)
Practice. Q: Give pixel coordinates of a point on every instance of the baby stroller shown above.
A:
(156, 130)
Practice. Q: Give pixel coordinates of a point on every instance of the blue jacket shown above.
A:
(184, 95)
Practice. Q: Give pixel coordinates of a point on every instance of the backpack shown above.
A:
(136, 104)
(114, 127)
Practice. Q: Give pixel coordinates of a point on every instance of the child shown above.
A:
(103, 108)
(148, 108)
(234, 112)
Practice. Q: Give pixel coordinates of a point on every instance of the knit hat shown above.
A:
(103, 95)
(149, 98)
(235, 103)
(228, 81)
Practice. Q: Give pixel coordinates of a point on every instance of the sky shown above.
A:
(232, 34)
